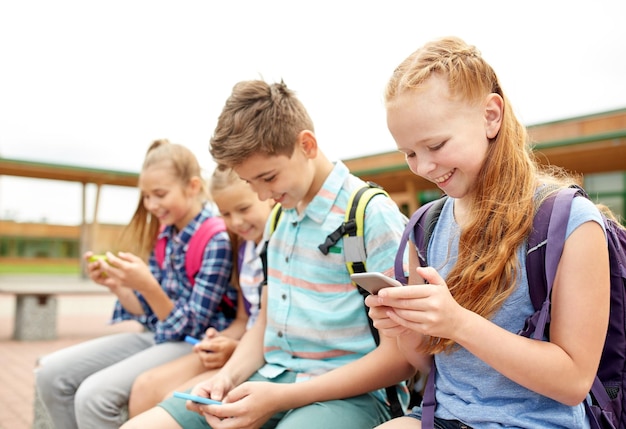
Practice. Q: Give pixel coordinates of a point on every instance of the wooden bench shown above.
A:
(36, 304)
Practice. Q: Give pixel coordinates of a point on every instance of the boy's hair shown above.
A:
(140, 235)
(503, 203)
(258, 118)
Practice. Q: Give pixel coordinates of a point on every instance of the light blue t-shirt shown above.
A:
(469, 390)
(316, 318)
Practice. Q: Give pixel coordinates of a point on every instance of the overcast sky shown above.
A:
(92, 83)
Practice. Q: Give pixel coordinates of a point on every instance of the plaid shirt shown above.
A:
(195, 306)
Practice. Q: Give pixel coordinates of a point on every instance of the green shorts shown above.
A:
(364, 411)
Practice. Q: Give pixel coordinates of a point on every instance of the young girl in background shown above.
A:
(88, 385)
(448, 114)
(245, 217)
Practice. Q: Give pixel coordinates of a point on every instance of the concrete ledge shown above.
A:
(52, 289)
(36, 303)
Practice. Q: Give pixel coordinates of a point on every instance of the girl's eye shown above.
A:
(409, 155)
(436, 147)
(269, 179)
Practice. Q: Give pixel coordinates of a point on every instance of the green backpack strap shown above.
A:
(352, 229)
(275, 215)
(274, 218)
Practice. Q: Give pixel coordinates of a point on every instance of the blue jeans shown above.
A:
(439, 423)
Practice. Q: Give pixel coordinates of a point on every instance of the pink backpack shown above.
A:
(197, 244)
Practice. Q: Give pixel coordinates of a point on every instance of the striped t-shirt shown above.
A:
(316, 320)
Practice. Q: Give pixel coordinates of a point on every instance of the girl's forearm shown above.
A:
(159, 302)
(129, 301)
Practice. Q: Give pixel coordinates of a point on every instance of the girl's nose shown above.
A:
(150, 204)
(236, 220)
(422, 166)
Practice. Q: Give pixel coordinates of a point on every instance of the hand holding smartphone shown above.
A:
(191, 340)
(373, 282)
(197, 399)
(94, 258)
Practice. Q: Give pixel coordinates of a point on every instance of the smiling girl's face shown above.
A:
(243, 212)
(166, 197)
(445, 140)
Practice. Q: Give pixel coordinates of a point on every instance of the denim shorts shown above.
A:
(439, 423)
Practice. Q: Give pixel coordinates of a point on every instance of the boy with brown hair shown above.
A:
(310, 360)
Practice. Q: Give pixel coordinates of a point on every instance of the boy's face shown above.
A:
(285, 180)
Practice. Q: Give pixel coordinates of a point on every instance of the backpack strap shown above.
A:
(159, 248)
(195, 255)
(422, 224)
(352, 229)
(195, 247)
(198, 242)
(274, 218)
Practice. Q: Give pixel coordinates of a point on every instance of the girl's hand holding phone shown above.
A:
(131, 271)
(215, 349)
(428, 309)
(96, 267)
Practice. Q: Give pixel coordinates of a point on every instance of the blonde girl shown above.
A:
(88, 385)
(245, 216)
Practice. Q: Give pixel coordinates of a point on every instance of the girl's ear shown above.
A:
(494, 108)
(307, 143)
(194, 187)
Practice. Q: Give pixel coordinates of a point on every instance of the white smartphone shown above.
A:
(373, 282)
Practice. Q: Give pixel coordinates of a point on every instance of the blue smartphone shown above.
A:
(191, 340)
(198, 399)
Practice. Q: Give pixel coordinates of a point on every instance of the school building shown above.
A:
(593, 146)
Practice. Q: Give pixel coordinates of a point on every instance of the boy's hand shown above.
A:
(247, 406)
(215, 387)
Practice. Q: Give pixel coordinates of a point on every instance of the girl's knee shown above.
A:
(86, 394)
(143, 384)
(49, 380)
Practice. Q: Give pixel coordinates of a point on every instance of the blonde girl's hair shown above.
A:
(258, 118)
(139, 236)
(221, 179)
(503, 204)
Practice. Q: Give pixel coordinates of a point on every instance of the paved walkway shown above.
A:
(80, 317)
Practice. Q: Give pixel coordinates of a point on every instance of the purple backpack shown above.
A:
(545, 245)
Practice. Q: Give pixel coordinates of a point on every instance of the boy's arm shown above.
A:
(382, 367)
